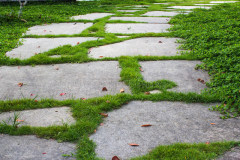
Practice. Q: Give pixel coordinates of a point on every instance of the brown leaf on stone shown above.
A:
(122, 90)
(104, 114)
(140, 68)
(159, 41)
(101, 124)
(115, 158)
(83, 98)
(199, 79)
(202, 81)
(20, 84)
(104, 89)
(18, 120)
(133, 144)
(212, 123)
(38, 47)
(207, 142)
(95, 131)
(78, 42)
(147, 93)
(100, 56)
(57, 68)
(146, 125)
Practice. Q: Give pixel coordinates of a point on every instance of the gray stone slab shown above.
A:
(171, 122)
(91, 16)
(140, 46)
(160, 13)
(223, 1)
(127, 10)
(129, 28)
(49, 81)
(180, 71)
(189, 7)
(32, 148)
(32, 46)
(40, 117)
(58, 28)
(233, 154)
(143, 19)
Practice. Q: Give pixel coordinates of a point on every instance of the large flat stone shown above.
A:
(130, 28)
(58, 28)
(139, 46)
(49, 81)
(40, 117)
(30, 147)
(233, 154)
(161, 13)
(182, 72)
(189, 7)
(172, 122)
(32, 46)
(223, 1)
(143, 19)
(91, 16)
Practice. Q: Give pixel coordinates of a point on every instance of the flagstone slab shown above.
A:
(143, 19)
(189, 7)
(140, 46)
(61, 81)
(40, 117)
(33, 46)
(233, 154)
(91, 16)
(172, 122)
(130, 28)
(223, 1)
(181, 72)
(31, 147)
(58, 29)
(161, 13)
(127, 10)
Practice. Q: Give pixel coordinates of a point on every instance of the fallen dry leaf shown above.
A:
(61, 94)
(20, 84)
(147, 93)
(95, 131)
(146, 125)
(133, 144)
(207, 142)
(212, 123)
(78, 43)
(44, 153)
(104, 89)
(202, 81)
(83, 98)
(101, 124)
(31, 94)
(35, 100)
(57, 68)
(122, 90)
(38, 47)
(100, 56)
(159, 41)
(140, 68)
(199, 79)
(104, 114)
(18, 120)
(115, 158)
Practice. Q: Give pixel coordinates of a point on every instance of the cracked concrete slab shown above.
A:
(40, 117)
(154, 46)
(172, 122)
(33, 46)
(58, 29)
(143, 19)
(161, 13)
(189, 7)
(91, 16)
(181, 72)
(61, 81)
(129, 28)
(31, 147)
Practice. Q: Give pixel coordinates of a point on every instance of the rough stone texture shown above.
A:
(32, 46)
(182, 72)
(129, 28)
(171, 122)
(223, 1)
(127, 10)
(143, 19)
(234, 154)
(49, 81)
(189, 7)
(160, 13)
(140, 46)
(40, 117)
(30, 147)
(58, 28)
(91, 16)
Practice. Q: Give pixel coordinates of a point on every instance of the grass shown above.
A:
(211, 35)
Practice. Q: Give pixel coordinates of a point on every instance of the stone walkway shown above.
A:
(171, 122)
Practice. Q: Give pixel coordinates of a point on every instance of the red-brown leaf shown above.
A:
(146, 125)
(104, 89)
(104, 114)
(115, 158)
(147, 93)
(20, 84)
(122, 90)
(133, 144)
(212, 123)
